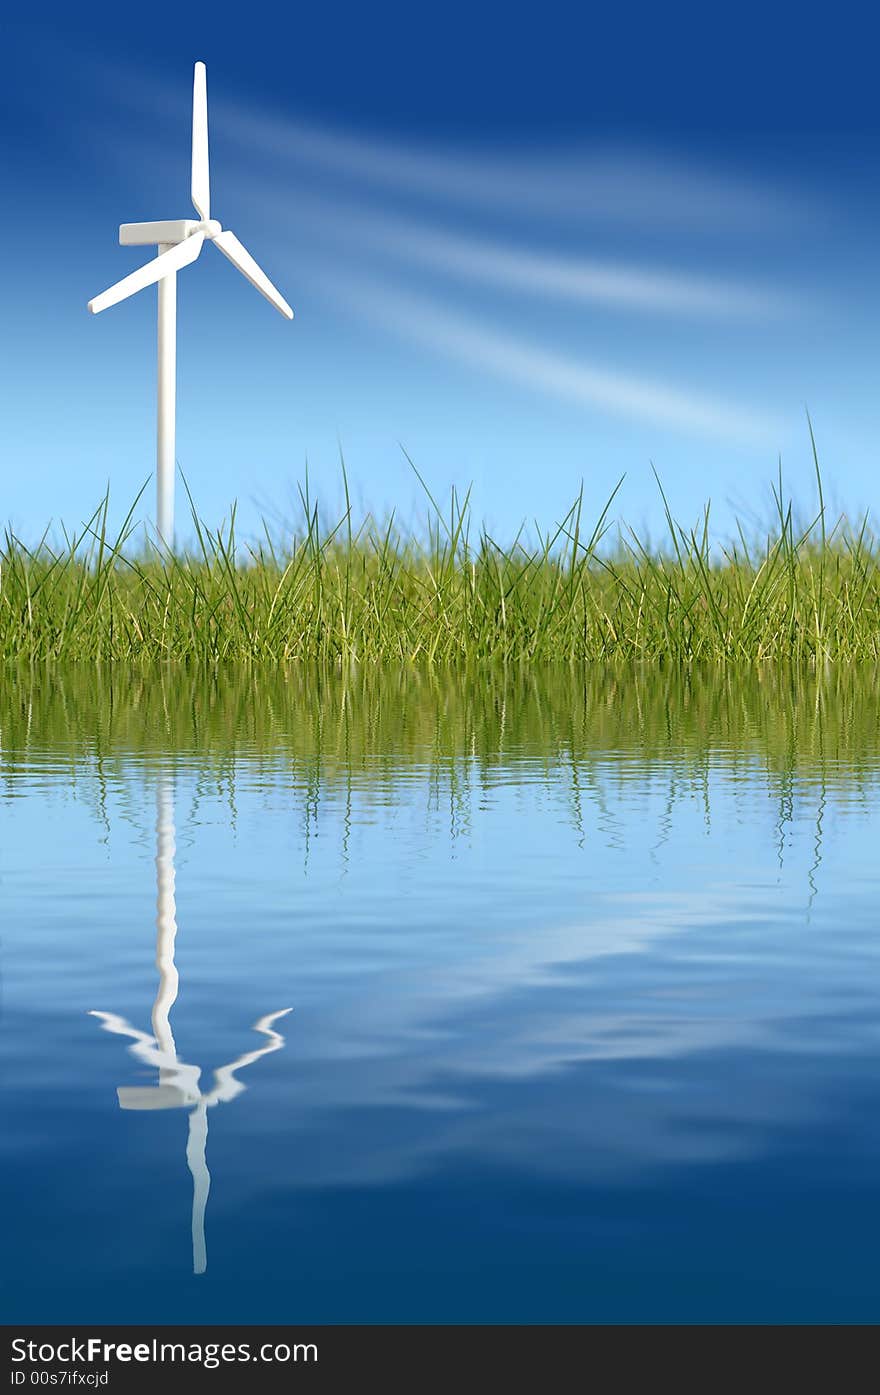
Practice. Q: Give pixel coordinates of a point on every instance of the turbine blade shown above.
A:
(172, 260)
(240, 257)
(201, 185)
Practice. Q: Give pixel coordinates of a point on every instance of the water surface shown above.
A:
(399, 997)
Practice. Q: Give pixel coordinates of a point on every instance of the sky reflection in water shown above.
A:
(583, 979)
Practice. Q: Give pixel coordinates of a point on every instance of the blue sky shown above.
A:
(531, 249)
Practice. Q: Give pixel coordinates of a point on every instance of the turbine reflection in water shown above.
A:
(178, 1086)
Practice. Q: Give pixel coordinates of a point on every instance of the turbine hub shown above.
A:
(210, 227)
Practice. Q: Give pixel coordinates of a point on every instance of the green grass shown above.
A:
(582, 591)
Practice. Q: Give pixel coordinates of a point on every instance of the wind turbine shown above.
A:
(178, 1085)
(180, 241)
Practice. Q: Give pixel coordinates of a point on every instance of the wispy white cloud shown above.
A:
(491, 261)
(628, 184)
(618, 183)
(467, 340)
(625, 286)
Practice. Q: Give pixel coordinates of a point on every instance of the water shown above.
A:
(580, 984)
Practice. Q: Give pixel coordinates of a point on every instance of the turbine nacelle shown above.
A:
(167, 233)
(157, 234)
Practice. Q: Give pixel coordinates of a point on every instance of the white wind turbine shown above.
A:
(180, 242)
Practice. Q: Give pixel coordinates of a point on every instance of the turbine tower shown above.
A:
(179, 242)
(178, 1085)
